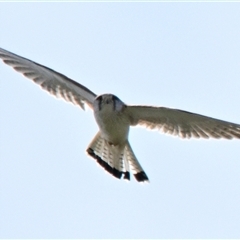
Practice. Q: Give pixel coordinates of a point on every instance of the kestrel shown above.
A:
(110, 147)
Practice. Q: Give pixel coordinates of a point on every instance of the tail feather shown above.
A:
(117, 160)
(138, 171)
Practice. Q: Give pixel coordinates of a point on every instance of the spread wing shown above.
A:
(50, 80)
(181, 123)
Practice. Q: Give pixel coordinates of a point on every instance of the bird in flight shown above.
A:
(110, 147)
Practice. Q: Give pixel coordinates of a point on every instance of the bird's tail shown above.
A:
(116, 159)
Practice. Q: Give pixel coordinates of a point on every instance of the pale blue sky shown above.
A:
(181, 55)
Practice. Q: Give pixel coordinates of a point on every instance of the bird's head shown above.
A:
(108, 101)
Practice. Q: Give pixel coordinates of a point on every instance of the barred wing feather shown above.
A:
(50, 80)
(181, 123)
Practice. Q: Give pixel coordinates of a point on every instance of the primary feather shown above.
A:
(181, 123)
(53, 82)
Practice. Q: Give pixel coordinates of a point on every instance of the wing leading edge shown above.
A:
(53, 82)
